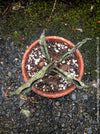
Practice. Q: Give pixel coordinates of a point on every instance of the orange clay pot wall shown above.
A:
(80, 62)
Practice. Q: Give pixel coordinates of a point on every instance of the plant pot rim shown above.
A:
(60, 93)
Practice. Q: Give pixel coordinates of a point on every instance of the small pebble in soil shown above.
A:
(26, 112)
(56, 118)
(89, 130)
(57, 103)
(32, 99)
(37, 114)
(63, 125)
(1, 68)
(85, 96)
(74, 108)
(58, 113)
(9, 74)
(73, 96)
(21, 103)
(70, 115)
(41, 64)
(2, 91)
(32, 111)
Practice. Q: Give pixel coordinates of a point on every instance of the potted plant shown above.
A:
(52, 67)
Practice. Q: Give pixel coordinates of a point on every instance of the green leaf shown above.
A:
(78, 45)
(27, 86)
(70, 78)
(43, 45)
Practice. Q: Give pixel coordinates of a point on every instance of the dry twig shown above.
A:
(52, 11)
(7, 8)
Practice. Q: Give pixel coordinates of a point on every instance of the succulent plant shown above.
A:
(51, 66)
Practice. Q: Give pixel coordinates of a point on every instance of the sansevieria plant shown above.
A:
(51, 66)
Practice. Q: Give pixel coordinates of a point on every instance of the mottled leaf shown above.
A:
(27, 86)
(70, 78)
(43, 45)
(78, 45)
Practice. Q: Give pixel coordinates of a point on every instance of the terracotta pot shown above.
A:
(80, 62)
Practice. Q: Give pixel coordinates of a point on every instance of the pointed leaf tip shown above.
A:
(43, 45)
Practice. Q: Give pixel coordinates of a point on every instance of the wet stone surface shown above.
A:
(75, 113)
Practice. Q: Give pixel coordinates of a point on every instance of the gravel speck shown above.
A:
(58, 114)
(57, 103)
(89, 130)
(1, 68)
(63, 125)
(73, 96)
(37, 114)
(74, 108)
(21, 103)
(70, 115)
(85, 97)
(56, 118)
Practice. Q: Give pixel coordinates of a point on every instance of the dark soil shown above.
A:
(52, 82)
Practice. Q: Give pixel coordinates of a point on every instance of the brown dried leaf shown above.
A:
(78, 29)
